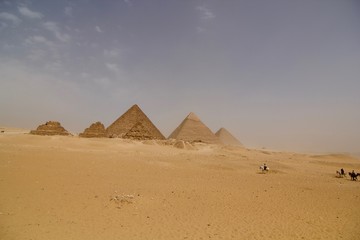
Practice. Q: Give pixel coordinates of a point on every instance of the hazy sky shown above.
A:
(281, 74)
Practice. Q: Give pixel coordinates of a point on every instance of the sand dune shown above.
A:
(57, 187)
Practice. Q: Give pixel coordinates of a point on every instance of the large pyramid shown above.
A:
(227, 138)
(193, 130)
(134, 124)
(96, 130)
(50, 128)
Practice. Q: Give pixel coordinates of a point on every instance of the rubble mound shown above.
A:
(96, 130)
(50, 128)
(183, 145)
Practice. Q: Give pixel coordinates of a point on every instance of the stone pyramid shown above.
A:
(227, 138)
(193, 130)
(139, 132)
(96, 130)
(50, 128)
(134, 124)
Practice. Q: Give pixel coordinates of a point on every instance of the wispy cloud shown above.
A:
(113, 67)
(30, 14)
(3, 25)
(37, 54)
(102, 81)
(8, 47)
(128, 2)
(112, 53)
(200, 29)
(205, 13)
(18, 77)
(68, 11)
(38, 39)
(53, 27)
(54, 66)
(10, 17)
(98, 29)
(85, 75)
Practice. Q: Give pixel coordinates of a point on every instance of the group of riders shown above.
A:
(352, 174)
(341, 173)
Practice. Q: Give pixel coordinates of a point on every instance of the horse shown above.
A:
(341, 173)
(354, 175)
(264, 168)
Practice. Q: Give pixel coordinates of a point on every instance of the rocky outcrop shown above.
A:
(96, 130)
(183, 145)
(50, 128)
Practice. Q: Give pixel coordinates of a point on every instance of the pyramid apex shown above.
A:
(222, 130)
(192, 116)
(135, 106)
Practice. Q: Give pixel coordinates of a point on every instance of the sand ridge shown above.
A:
(60, 187)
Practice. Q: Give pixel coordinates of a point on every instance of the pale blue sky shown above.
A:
(281, 74)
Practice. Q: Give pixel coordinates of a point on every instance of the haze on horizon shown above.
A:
(278, 74)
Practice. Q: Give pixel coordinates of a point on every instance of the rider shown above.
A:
(342, 172)
(265, 167)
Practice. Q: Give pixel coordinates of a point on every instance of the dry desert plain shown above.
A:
(57, 187)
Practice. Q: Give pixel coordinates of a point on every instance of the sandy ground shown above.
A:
(73, 188)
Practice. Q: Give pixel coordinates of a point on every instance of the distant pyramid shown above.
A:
(96, 130)
(134, 124)
(50, 128)
(193, 130)
(226, 138)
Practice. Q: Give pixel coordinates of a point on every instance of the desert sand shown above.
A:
(66, 187)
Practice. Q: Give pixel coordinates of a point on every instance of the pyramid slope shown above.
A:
(96, 130)
(138, 132)
(50, 128)
(227, 138)
(133, 116)
(192, 129)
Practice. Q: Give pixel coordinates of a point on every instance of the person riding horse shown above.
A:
(264, 168)
(341, 173)
(354, 175)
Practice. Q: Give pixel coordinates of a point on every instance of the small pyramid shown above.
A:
(193, 130)
(227, 138)
(138, 132)
(134, 124)
(50, 128)
(96, 130)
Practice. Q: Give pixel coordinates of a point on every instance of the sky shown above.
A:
(278, 74)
